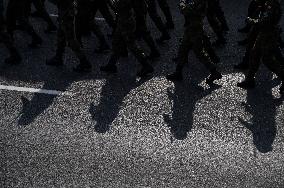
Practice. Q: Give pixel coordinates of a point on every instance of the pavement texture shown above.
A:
(117, 131)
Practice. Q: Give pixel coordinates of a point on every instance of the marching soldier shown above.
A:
(18, 13)
(124, 38)
(15, 57)
(41, 12)
(85, 22)
(66, 36)
(265, 44)
(194, 13)
(140, 9)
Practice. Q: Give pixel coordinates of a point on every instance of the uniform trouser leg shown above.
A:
(66, 36)
(209, 48)
(7, 41)
(221, 16)
(105, 11)
(203, 56)
(215, 26)
(97, 31)
(145, 33)
(135, 49)
(25, 24)
(39, 5)
(152, 10)
(183, 51)
(273, 65)
(166, 10)
(254, 62)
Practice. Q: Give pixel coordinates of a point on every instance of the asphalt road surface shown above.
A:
(61, 129)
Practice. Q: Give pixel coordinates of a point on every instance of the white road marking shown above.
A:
(33, 90)
(96, 18)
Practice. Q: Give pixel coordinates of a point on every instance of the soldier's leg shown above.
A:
(152, 10)
(118, 49)
(210, 50)
(201, 53)
(105, 11)
(217, 29)
(146, 35)
(69, 32)
(99, 34)
(15, 57)
(40, 7)
(25, 24)
(57, 60)
(254, 63)
(132, 45)
(166, 10)
(221, 16)
(182, 58)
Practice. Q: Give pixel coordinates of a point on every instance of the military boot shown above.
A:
(55, 61)
(146, 69)
(176, 76)
(110, 67)
(215, 75)
(83, 67)
(14, 58)
(248, 83)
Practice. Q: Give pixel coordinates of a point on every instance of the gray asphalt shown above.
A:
(117, 131)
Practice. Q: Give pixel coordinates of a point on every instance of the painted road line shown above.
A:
(97, 18)
(33, 90)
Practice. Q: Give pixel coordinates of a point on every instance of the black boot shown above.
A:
(109, 68)
(170, 25)
(176, 76)
(154, 55)
(242, 66)
(36, 42)
(163, 38)
(215, 75)
(14, 59)
(145, 70)
(102, 48)
(247, 84)
(245, 29)
(221, 41)
(50, 29)
(83, 67)
(243, 42)
(55, 61)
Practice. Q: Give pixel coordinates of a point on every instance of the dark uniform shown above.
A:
(6, 39)
(154, 15)
(193, 38)
(66, 36)
(153, 12)
(124, 38)
(140, 9)
(41, 11)
(85, 22)
(18, 13)
(265, 44)
(217, 21)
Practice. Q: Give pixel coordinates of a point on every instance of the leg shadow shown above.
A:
(113, 93)
(262, 106)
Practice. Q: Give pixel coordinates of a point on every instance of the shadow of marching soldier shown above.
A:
(184, 101)
(262, 106)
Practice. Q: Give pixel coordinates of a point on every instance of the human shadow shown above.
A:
(31, 109)
(184, 97)
(113, 92)
(53, 79)
(262, 106)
